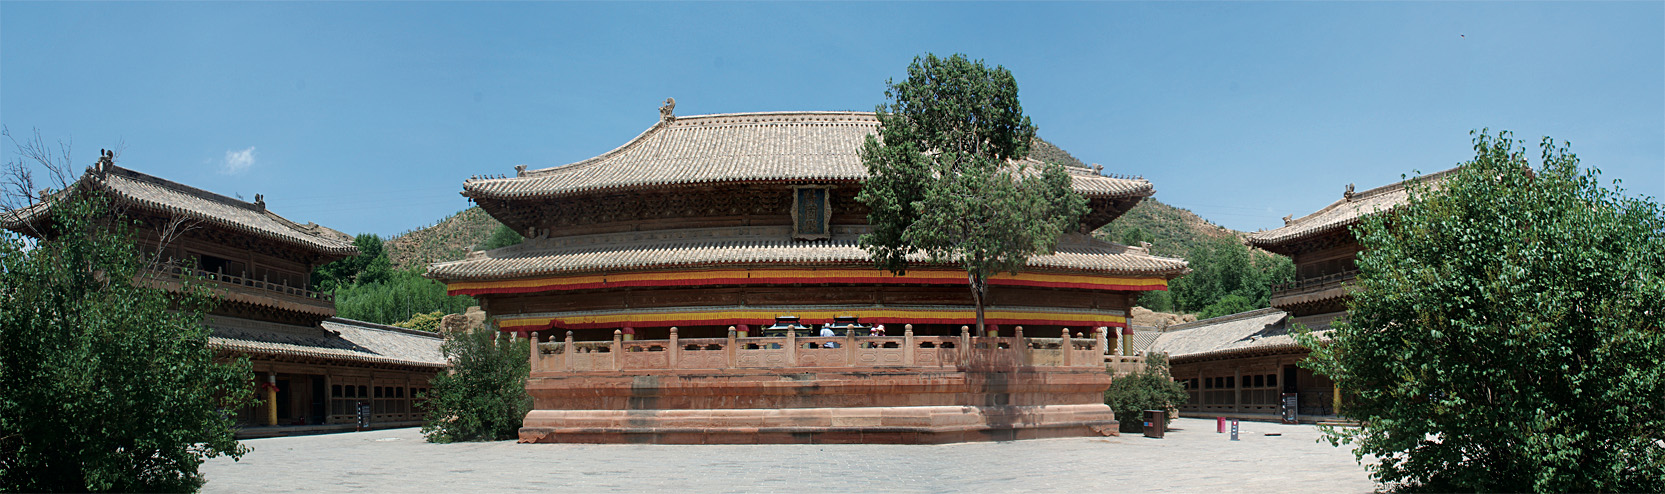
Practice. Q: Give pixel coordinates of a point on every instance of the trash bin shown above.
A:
(1156, 421)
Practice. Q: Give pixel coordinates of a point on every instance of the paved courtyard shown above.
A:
(1192, 458)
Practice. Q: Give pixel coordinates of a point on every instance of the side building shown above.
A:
(313, 370)
(1245, 365)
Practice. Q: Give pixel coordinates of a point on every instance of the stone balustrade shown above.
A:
(792, 351)
(1121, 365)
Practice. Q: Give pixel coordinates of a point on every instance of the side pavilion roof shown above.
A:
(335, 338)
(1256, 332)
(171, 198)
(1341, 214)
(734, 148)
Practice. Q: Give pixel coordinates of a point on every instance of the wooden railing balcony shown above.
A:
(1308, 286)
(791, 351)
(169, 271)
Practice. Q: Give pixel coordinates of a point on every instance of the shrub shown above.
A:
(484, 397)
(427, 321)
(1150, 389)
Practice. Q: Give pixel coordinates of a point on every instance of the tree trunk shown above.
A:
(979, 292)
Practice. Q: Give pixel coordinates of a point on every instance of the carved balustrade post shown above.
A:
(850, 348)
(908, 345)
(1068, 347)
(728, 350)
(1020, 346)
(674, 351)
(965, 345)
(792, 347)
(536, 358)
(618, 348)
(566, 352)
(1098, 340)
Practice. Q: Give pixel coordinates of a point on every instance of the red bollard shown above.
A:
(1219, 425)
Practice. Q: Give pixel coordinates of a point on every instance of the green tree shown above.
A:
(1150, 389)
(1505, 332)
(503, 236)
(106, 384)
(1133, 236)
(404, 294)
(369, 266)
(1223, 268)
(484, 397)
(367, 287)
(1227, 305)
(1158, 300)
(944, 176)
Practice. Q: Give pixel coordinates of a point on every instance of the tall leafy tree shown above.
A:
(945, 177)
(1506, 332)
(106, 383)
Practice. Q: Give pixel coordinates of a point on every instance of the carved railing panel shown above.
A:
(840, 352)
(702, 353)
(645, 355)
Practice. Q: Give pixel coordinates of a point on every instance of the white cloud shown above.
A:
(238, 161)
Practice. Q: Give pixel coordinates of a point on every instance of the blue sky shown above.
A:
(367, 117)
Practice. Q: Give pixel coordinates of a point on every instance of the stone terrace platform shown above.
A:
(853, 389)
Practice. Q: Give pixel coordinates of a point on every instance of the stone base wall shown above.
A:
(819, 405)
(863, 425)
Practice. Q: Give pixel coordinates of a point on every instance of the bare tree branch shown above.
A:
(18, 181)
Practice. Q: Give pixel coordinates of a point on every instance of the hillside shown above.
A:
(1172, 231)
(448, 240)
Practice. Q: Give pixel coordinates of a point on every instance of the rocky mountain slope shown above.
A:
(447, 240)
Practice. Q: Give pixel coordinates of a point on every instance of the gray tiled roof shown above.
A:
(1260, 330)
(172, 198)
(737, 147)
(741, 246)
(335, 338)
(1342, 213)
(1143, 339)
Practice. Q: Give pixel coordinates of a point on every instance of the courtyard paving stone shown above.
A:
(1193, 458)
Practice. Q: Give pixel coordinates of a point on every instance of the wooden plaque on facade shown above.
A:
(810, 213)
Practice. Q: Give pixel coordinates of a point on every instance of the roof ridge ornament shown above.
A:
(106, 159)
(1349, 194)
(667, 111)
